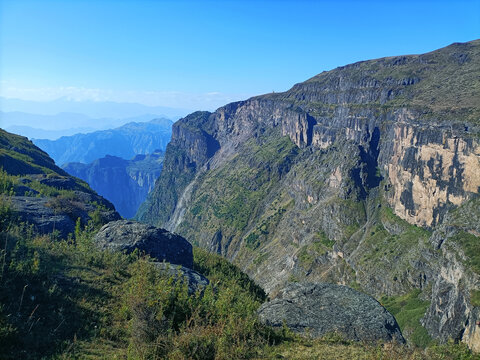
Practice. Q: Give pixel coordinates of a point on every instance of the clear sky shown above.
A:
(202, 54)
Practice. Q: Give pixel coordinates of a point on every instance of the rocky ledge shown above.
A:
(125, 235)
(319, 308)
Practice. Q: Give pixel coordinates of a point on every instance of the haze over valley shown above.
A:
(239, 180)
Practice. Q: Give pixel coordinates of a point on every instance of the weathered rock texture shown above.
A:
(48, 214)
(124, 235)
(194, 280)
(347, 177)
(126, 183)
(43, 195)
(318, 309)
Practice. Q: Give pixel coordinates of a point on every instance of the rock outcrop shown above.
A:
(194, 280)
(47, 214)
(43, 195)
(319, 309)
(125, 235)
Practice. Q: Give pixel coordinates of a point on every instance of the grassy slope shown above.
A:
(449, 85)
(65, 299)
(229, 197)
(101, 305)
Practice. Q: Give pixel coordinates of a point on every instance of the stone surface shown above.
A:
(196, 281)
(48, 214)
(319, 308)
(125, 235)
(35, 211)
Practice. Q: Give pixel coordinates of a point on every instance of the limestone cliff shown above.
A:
(126, 183)
(349, 177)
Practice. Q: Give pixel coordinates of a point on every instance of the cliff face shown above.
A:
(126, 183)
(351, 177)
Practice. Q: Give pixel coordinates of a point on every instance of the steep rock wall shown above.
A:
(341, 179)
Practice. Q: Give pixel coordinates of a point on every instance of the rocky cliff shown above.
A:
(37, 192)
(126, 183)
(360, 176)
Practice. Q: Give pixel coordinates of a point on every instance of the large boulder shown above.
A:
(126, 235)
(45, 219)
(48, 214)
(194, 280)
(318, 309)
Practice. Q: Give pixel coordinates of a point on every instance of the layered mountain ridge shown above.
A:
(126, 183)
(125, 141)
(366, 175)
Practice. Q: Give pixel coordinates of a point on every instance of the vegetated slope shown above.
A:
(36, 191)
(125, 142)
(63, 297)
(126, 183)
(366, 175)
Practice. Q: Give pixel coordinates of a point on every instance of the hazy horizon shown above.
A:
(204, 54)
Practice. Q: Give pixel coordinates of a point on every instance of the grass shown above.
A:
(97, 304)
(408, 309)
(470, 245)
(235, 192)
(337, 349)
(444, 89)
(475, 297)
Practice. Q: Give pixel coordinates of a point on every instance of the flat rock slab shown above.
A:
(35, 211)
(319, 308)
(126, 235)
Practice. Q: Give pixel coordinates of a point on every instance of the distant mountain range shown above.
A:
(126, 183)
(124, 142)
(52, 127)
(92, 109)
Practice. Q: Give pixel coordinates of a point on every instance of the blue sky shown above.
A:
(202, 54)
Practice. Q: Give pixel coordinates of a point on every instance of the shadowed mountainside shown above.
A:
(126, 183)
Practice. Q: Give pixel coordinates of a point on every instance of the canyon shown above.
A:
(366, 175)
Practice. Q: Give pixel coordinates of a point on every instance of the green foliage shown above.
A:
(451, 350)
(219, 270)
(99, 304)
(408, 310)
(91, 301)
(7, 215)
(235, 192)
(324, 240)
(7, 183)
(470, 245)
(475, 297)
(334, 347)
(439, 93)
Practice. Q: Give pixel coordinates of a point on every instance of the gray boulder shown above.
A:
(126, 235)
(195, 281)
(48, 214)
(35, 211)
(320, 308)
